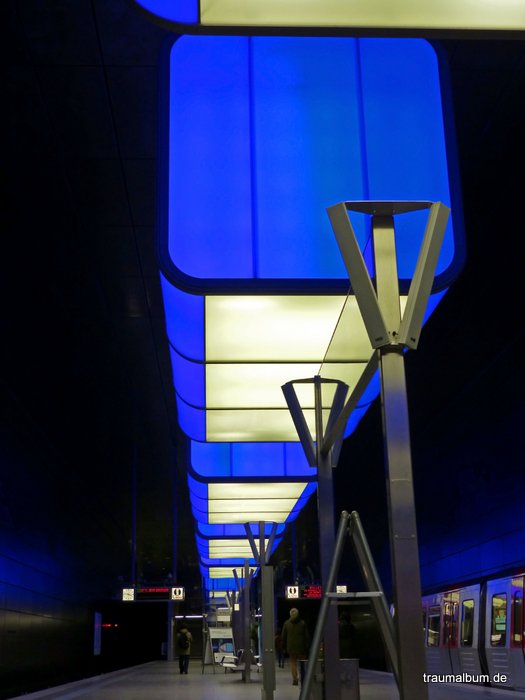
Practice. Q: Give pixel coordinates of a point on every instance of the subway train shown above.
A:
(477, 632)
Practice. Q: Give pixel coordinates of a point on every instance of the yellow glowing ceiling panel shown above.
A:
(237, 549)
(252, 502)
(250, 425)
(255, 385)
(224, 572)
(385, 14)
(273, 328)
(250, 345)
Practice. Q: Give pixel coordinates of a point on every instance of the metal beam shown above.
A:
(251, 540)
(338, 426)
(337, 407)
(421, 285)
(301, 426)
(359, 278)
(325, 510)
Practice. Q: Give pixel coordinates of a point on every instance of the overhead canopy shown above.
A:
(261, 135)
(399, 17)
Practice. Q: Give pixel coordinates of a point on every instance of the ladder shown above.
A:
(350, 526)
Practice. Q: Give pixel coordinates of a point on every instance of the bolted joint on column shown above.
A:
(393, 347)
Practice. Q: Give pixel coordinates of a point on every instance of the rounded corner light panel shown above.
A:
(364, 15)
(260, 135)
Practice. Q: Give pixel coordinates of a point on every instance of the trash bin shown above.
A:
(349, 669)
(349, 674)
(316, 689)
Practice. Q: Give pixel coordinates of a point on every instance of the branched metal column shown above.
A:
(262, 556)
(325, 509)
(391, 334)
(244, 592)
(323, 457)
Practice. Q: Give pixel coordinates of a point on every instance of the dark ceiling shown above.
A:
(87, 394)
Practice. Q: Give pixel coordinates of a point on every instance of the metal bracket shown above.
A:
(335, 430)
(421, 285)
(407, 334)
(360, 279)
(261, 555)
(309, 446)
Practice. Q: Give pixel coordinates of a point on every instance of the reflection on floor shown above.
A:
(161, 680)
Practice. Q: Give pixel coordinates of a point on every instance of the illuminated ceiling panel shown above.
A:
(253, 281)
(271, 461)
(261, 135)
(229, 552)
(266, 322)
(220, 541)
(231, 548)
(223, 572)
(241, 502)
(401, 17)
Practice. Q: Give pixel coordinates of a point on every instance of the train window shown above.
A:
(434, 620)
(498, 634)
(518, 616)
(467, 623)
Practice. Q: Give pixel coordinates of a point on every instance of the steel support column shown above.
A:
(262, 556)
(268, 633)
(246, 623)
(322, 457)
(398, 465)
(325, 509)
(391, 334)
(403, 530)
(170, 654)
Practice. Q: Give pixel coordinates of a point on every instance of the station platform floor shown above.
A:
(161, 680)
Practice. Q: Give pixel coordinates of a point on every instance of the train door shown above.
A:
(469, 630)
(437, 655)
(497, 632)
(450, 629)
(517, 631)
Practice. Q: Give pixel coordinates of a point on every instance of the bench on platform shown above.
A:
(235, 662)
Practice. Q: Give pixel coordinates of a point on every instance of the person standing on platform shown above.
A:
(296, 642)
(184, 640)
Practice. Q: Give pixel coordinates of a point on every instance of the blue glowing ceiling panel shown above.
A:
(244, 460)
(232, 530)
(265, 132)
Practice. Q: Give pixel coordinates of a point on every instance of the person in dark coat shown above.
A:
(296, 642)
(184, 640)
